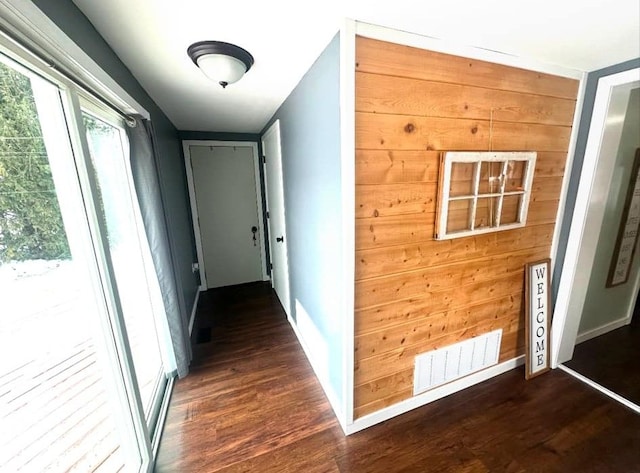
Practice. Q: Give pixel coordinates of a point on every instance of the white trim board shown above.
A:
(348, 186)
(433, 395)
(194, 309)
(566, 179)
(447, 47)
(603, 329)
(324, 383)
(598, 387)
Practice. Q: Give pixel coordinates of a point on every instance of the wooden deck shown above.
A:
(55, 416)
(252, 404)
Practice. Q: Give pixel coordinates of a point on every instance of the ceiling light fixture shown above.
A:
(224, 63)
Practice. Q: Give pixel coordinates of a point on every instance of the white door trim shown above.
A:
(194, 208)
(566, 179)
(587, 221)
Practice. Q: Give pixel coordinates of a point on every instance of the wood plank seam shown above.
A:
(414, 300)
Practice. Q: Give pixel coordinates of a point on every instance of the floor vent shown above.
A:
(447, 364)
(203, 335)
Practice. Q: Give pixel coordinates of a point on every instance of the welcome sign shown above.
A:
(538, 316)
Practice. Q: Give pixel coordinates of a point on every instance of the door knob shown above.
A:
(280, 239)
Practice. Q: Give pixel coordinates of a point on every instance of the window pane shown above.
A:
(510, 209)
(59, 406)
(515, 176)
(461, 179)
(486, 212)
(490, 177)
(459, 215)
(108, 158)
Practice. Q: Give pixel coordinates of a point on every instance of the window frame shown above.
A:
(449, 158)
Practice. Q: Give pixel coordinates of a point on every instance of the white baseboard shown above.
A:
(194, 309)
(432, 395)
(324, 382)
(606, 328)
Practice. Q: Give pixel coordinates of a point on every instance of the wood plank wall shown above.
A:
(412, 293)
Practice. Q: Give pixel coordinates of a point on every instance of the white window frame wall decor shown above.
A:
(447, 161)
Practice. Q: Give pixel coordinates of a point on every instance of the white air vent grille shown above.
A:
(455, 361)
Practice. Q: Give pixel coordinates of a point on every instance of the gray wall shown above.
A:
(310, 137)
(172, 173)
(576, 170)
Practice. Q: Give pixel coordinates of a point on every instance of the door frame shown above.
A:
(194, 208)
(274, 129)
(595, 179)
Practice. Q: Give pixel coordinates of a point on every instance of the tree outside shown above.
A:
(31, 225)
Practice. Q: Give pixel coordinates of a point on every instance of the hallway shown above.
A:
(252, 404)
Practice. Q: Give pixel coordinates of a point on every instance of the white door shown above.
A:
(227, 217)
(278, 241)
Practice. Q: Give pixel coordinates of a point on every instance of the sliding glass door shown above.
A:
(136, 283)
(60, 406)
(81, 370)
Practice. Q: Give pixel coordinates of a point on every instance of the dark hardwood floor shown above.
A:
(612, 360)
(251, 404)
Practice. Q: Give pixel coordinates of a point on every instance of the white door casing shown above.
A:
(604, 136)
(278, 241)
(607, 308)
(226, 205)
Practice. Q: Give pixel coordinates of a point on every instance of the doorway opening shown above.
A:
(226, 205)
(590, 309)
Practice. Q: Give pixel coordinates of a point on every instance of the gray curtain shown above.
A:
(144, 166)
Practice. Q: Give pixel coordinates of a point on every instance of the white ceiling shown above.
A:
(285, 37)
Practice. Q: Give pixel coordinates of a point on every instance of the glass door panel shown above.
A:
(135, 284)
(61, 407)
